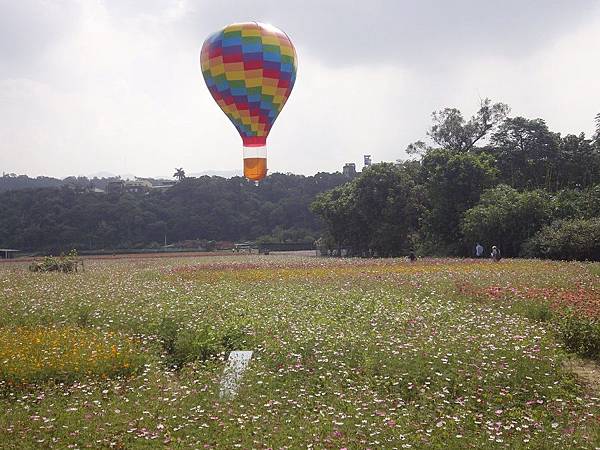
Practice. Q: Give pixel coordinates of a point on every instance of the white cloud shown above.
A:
(117, 88)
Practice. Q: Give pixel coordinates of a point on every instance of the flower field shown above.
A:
(348, 354)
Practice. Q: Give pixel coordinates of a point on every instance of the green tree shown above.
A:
(578, 163)
(337, 208)
(507, 218)
(452, 183)
(450, 130)
(374, 213)
(179, 174)
(568, 239)
(526, 153)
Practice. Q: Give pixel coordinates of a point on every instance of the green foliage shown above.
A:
(538, 311)
(453, 184)
(431, 204)
(179, 174)
(530, 156)
(374, 213)
(390, 351)
(580, 334)
(526, 152)
(567, 239)
(451, 132)
(184, 346)
(576, 204)
(205, 208)
(506, 217)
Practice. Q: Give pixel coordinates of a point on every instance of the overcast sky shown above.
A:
(90, 86)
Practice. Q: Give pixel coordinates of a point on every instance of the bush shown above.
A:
(577, 239)
(63, 263)
(186, 346)
(506, 217)
(580, 335)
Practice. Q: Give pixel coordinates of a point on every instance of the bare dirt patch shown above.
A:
(587, 371)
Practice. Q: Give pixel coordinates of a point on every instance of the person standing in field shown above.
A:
(478, 250)
(495, 253)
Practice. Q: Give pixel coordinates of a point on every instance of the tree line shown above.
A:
(493, 179)
(58, 219)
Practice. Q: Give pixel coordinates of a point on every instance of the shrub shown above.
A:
(580, 334)
(63, 263)
(186, 346)
(577, 239)
(506, 217)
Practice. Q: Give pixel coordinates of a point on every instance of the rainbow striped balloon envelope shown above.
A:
(250, 70)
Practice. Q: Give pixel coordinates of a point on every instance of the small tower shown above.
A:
(349, 170)
(367, 160)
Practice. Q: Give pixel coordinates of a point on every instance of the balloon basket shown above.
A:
(255, 163)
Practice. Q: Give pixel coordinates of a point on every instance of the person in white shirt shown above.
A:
(495, 253)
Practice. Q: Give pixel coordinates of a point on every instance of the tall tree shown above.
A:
(527, 153)
(450, 130)
(578, 164)
(179, 174)
(372, 214)
(453, 183)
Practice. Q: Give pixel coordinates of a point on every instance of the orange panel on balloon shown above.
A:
(255, 169)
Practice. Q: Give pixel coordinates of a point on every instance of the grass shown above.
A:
(348, 354)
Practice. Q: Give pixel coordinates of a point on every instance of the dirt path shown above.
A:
(588, 372)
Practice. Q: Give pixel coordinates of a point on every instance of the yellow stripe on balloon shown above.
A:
(269, 90)
(236, 75)
(250, 32)
(254, 82)
(234, 27)
(287, 51)
(217, 70)
(270, 40)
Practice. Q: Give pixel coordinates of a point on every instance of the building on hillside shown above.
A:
(115, 187)
(8, 253)
(137, 186)
(349, 170)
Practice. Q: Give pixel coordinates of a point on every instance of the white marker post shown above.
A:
(237, 363)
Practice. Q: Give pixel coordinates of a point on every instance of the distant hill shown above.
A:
(11, 182)
(55, 219)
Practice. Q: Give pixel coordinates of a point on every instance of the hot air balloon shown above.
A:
(250, 70)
